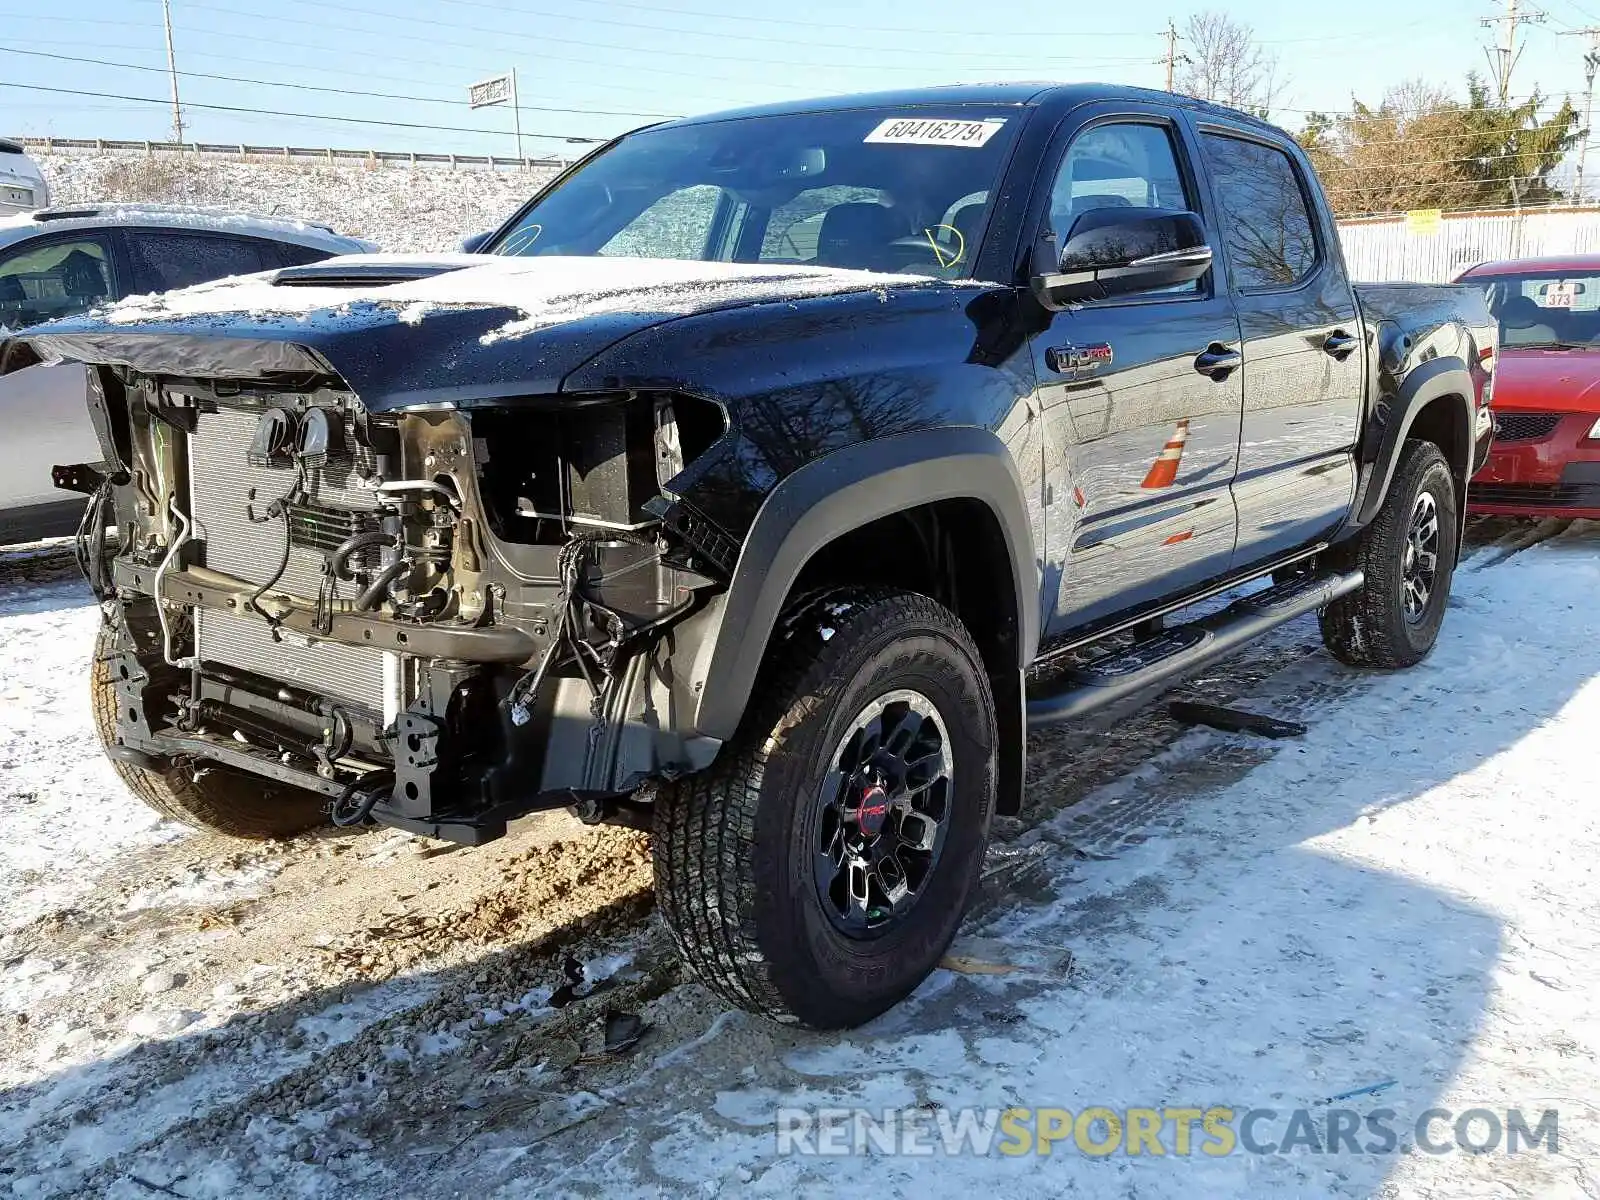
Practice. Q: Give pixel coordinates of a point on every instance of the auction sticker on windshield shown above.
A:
(922, 131)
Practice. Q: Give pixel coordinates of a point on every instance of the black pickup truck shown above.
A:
(745, 485)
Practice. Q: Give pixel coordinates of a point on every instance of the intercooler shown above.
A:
(221, 483)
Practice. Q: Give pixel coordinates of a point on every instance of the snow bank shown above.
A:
(399, 208)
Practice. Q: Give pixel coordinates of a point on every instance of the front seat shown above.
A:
(1521, 315)
(856, 235)
(82, 279)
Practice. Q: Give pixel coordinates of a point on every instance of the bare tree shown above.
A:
(1227, 65)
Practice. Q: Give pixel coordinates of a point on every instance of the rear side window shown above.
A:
(166, 259)
(1270, 237)
(291, 255)
(57, 279)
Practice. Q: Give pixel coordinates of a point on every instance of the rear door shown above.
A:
(1303, 359)
(1140, 395)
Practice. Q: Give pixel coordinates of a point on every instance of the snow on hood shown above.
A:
(546, 291)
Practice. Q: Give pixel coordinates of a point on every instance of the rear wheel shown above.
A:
(1408, 554)
(218, 799)
(817, 872)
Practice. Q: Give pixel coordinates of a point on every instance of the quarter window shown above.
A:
(1270, 236)
(58, 279)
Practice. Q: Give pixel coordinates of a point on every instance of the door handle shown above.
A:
(1218, 361)
(1340, 344)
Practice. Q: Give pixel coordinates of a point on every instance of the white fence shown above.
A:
(1380, 248)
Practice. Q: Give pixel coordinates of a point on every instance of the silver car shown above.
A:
(22, 185)
(60, 261)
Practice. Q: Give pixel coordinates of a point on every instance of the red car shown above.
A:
(1546, 456)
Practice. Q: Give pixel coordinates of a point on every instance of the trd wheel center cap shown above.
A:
(873, 810)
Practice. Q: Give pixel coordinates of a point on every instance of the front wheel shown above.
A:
(1408, 554)
(218, 799)
(818, 871)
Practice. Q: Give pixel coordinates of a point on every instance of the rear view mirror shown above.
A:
(475, 242)
(1117, 251)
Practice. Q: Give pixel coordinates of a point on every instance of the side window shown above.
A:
(1270, 236)
(39, 283)
(1117, 166)
(676, 226)
(291, 255)
(165, 259)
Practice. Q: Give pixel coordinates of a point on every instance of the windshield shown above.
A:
(1544, 310)
(880, 189)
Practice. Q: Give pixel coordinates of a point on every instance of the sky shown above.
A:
(595, 68)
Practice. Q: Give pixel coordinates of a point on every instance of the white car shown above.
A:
(22, 185)
(61, 261)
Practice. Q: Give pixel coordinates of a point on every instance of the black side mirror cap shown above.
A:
(1118, 251)
(474, 242)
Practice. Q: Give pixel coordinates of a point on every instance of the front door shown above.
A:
(1140, 396)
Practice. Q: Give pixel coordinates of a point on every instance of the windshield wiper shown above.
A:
(1548, 346)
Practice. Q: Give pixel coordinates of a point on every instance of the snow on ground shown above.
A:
(1403, 900)
(398, 208)
(62, 806)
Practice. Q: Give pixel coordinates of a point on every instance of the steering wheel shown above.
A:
(927, 245)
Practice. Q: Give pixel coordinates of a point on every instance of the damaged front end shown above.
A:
(440, 619)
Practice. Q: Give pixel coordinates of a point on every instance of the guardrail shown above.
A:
(244, 153)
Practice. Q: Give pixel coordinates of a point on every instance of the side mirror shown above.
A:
(475, 242)
(1118, 251)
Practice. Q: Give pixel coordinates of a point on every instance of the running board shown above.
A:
(1177, 651)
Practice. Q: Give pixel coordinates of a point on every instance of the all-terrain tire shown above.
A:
(1370, 627)
(735, 847)
(221, 800)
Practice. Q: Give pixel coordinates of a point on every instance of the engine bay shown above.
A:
(438, 619)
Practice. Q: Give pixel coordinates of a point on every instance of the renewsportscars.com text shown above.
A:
(1179, 1130)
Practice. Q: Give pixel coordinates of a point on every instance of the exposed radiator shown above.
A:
(369, 678)
(221, 481)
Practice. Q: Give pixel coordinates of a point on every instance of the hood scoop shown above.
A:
(351, 274)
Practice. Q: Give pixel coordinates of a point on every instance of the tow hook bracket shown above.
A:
(416, 754)
(86, 478)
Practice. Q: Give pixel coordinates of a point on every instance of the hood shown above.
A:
(416, 329)
(1547, 380)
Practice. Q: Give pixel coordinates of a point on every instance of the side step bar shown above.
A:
(1177, 651)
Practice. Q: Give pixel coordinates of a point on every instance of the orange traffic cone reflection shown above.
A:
(1165, 469)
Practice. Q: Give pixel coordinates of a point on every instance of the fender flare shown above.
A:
(1390, 425)
(830, 497)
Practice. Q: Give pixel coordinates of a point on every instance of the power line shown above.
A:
(308, 87)
(549, 39)
(232, 37)
(272, 112)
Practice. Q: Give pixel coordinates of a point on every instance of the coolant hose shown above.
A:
(379, 588)
(338, 560)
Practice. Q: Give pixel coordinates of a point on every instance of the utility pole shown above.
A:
(172, 69)
(1591, 61)
(1503, 57)
(1172, 58)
